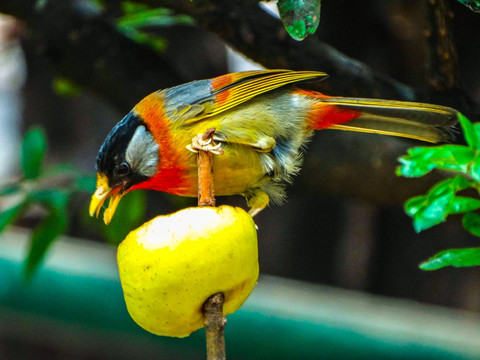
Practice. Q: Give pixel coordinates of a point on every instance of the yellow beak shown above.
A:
(101, 194)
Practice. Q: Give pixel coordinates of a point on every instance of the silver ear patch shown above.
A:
(142, 152)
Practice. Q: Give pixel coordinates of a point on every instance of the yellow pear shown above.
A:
(170, 265)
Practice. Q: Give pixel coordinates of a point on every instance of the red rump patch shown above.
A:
(324, 115)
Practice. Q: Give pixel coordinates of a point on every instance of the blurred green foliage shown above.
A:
(473, 5)
(65, 87)
(33, 151)
(428, 210)
(138, 18)
(51, 189)
(453, 257)
(33, 190)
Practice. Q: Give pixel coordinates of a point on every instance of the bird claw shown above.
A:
(208, 145)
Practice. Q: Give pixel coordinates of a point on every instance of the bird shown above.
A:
(262, 121)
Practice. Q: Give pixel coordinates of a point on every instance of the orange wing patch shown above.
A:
(233, 89)
(223, 81)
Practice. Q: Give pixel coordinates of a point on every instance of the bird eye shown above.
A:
(122, 169)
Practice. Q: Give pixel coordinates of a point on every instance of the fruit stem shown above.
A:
(214, 327)
(214, 321)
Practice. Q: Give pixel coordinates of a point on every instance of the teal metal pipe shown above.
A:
(74, 305)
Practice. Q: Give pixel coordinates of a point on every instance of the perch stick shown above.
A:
(214, 321)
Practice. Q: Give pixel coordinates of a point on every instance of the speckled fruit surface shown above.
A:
(170, 265)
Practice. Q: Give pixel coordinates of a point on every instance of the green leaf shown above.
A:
(441, 188)
(471, 223)
(454, 157)
(130, 7)
(434, 207)
(469, 132)
(473, 5)
(152, 17)
(461, 204)
(9, 215)
(422, 160)
(156, 43)
(462, 154)
(412, 168)
(453, 257)
(433, 213)
(451, 185)
(33, 151)
(417, 162)
(460, 183)
(53, 225)
(42, 237)
(474, 169)
(476, 128)
(140, 16)
(415, 204)
(300, 18)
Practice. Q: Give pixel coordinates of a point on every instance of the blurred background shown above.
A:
(76, 67)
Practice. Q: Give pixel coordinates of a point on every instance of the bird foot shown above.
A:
(204, 142)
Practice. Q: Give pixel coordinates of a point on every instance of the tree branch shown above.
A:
(86, 48)
(214, 321)
(206, 187)
(250, 30)
(215, 327)
(442, 69)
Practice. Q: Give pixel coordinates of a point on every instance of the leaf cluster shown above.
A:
(139, 17)
(51, 188)
(33, 189)
(443, 199)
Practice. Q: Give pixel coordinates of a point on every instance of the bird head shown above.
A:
(128, 157)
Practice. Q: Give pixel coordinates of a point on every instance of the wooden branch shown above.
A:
(214, 320)
(206, 188)
(87, 48)
(261, 37)
(442, 72)
(214, 327)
